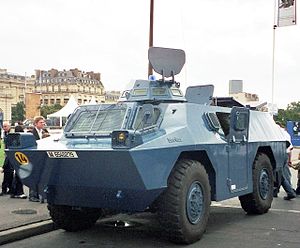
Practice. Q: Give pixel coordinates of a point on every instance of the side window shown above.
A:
(239, 125)
(140, 121)
(241, 121)
(224, 119)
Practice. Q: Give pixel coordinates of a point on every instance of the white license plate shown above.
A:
(62, 154)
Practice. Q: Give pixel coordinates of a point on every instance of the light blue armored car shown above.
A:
(156, 149)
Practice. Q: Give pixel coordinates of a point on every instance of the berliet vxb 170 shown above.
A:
(155, 150)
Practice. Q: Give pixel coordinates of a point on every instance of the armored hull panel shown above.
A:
(87, 169)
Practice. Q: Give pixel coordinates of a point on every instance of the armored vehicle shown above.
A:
(156, 150)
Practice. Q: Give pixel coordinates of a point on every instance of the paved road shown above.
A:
(228, 227)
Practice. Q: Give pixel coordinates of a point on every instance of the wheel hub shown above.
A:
(264, 184)
(195, 203)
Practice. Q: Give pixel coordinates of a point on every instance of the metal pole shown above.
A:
(150, 70)
(273, 64)
(273, 54)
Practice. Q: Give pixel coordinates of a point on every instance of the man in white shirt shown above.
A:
(38, 132)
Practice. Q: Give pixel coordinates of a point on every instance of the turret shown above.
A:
(167, 63)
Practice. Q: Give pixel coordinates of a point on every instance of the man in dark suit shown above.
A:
(17, 190)
(39, 133)
(7, 168)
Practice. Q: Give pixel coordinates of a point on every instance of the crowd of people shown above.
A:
(12, 184)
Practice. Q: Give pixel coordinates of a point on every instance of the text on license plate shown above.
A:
(62, 154)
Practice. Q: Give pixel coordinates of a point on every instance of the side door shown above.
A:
(238, 149)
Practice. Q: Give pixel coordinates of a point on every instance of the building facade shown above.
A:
(49, 87)
(245, 97)
(112, 96)
(56, 86)
(236, 91)
(13, 88)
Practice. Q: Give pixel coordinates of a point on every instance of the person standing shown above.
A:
(296, 166)
(286, 173)
(17, 185)
(7, 168)
(39, 133)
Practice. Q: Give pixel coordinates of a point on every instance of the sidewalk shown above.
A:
(23, 214)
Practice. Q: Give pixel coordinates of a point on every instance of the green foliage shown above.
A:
(18, 112)
(50, 109)
(292, 113)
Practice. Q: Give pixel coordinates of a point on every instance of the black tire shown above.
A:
(73, 220)
(260, 200)
(183, 209)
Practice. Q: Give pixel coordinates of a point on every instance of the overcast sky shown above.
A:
(223, 40)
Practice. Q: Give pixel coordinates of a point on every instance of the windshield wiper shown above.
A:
(106, 113)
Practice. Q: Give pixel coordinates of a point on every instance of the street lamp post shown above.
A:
(150, 71)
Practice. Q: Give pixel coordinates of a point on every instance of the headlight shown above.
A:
(122, 136)
(125, 139)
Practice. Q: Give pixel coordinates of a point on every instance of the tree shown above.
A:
(46, 109)
(18, 112)
(292, 113)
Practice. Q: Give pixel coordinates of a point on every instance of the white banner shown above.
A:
(286, 13)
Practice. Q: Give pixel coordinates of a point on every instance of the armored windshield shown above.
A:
(96, 119)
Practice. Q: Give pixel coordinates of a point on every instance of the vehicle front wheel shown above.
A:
(183, 209)
(72, 219)
(260, 200)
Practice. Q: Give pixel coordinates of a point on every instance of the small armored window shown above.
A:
(176, 92)
(213, 121)
(141, 120)
(159, 91)
(224, 119)
(241, 121)
(140, 92)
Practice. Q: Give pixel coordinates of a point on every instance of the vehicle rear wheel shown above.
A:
(71, 219)
(260, 200)
(183, 209)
